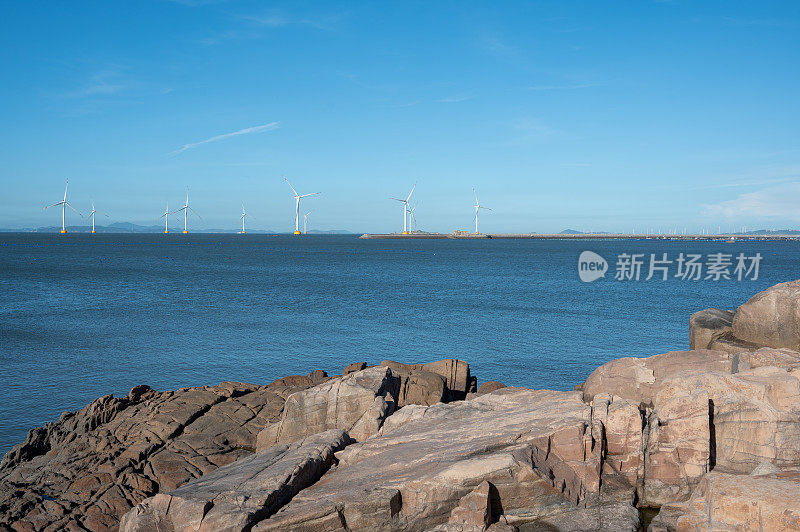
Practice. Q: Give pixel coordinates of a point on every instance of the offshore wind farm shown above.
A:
(410, 229)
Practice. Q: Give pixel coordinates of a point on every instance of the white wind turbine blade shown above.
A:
(482, 207)
(73, 208)
(396, 199)
(53, 205)
(312, 194)
(192, 211)
(65, 190)
(412, 191)
(290, 186)
(476, 196)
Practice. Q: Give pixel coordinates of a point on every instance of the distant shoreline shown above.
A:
(571, 236)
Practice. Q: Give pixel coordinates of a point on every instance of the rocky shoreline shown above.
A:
(704, 439)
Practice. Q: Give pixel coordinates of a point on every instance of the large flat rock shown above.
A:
(535, 448)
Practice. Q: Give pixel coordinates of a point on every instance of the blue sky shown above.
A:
(588, 115)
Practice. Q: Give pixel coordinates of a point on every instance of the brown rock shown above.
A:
(355, 366)
(708, 325)
(771, 318)
(458, 380)
(87, 469)
(234, 497)
(489, 387)
(312, 379)
(357, 403)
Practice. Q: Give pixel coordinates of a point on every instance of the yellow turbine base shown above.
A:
(405, 232)
(63, 231)
(241, 233)
(165, 232)
(92, 230)
(186, 232)
(297, 232)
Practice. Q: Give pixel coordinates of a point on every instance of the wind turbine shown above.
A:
(477, 206)
(95, 212)
(405, 208)
(64, 204)
(244, 215)
(186, 210)
(166, 218)
(413, 218)
(305, 222)
(297, 205)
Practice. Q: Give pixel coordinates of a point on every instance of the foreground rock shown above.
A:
(239, 495)
(88, 469)
(771, 318)
(535, 448)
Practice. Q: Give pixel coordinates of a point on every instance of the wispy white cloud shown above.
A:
(776, 202)
(245, 131)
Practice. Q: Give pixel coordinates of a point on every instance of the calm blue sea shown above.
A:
(86, 315)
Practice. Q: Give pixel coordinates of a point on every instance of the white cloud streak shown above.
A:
(245, 131)
(776, 202)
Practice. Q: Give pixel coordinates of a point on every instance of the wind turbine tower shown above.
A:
(64, 204)
(186, 210)
(244, 215)
(93, 213)
(297, 205)
(166, 218)
(305, 222)
(477, 206)
(405, 208)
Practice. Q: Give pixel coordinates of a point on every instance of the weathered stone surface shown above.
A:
(678, 450)
(637, 379)
(708, 325)
(455, 372)
(535, 447)
(90, 467)
(357, 403)
(734, 422)
(771, 318)
(780, 358)
(610, 516)
(724, 501)
(619, 425)
(234, 497)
